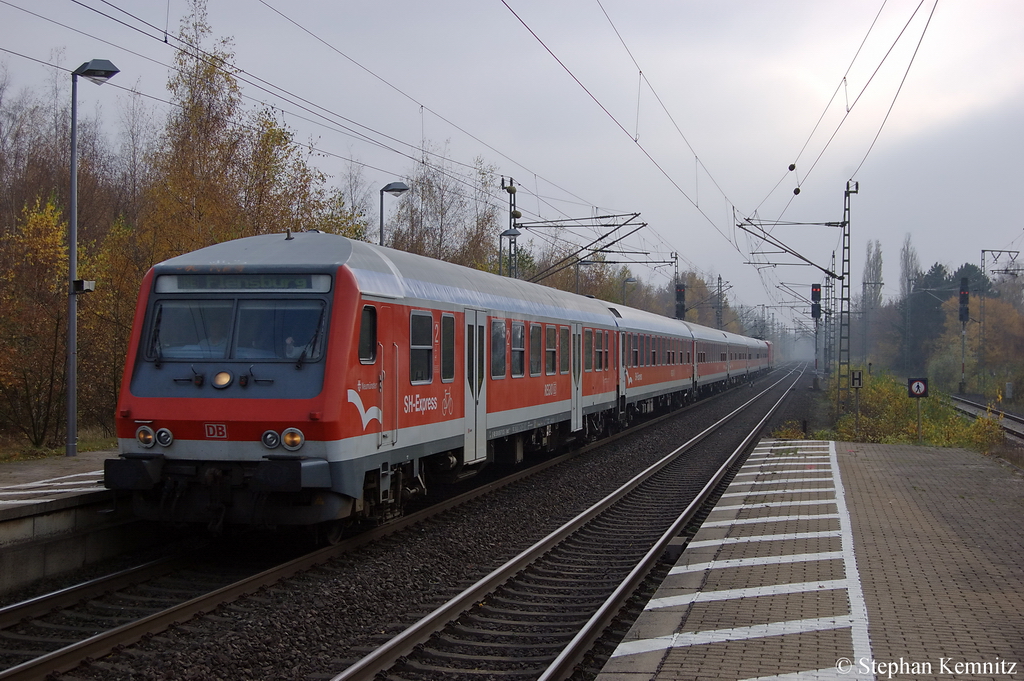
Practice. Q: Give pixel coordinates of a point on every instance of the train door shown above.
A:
(475, 441)
(388, 386)
(623, 355)
(577, 379)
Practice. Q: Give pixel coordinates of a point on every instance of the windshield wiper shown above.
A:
(308, 347)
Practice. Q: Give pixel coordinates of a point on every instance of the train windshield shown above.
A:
(269, 330)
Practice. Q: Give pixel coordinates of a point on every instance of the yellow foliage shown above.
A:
(889, 416)
(33, 297)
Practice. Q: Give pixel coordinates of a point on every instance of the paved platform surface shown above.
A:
(838, 560)
(40, 481)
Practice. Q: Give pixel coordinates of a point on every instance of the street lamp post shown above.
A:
(393, 188)
(98, 71)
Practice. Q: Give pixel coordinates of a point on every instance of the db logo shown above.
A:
(216, 430)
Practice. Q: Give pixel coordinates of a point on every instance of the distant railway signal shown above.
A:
(965, 301)
(680, 301)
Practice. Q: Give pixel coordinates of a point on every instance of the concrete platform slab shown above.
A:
(832, 560)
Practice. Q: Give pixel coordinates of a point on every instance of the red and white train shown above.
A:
(307, 378)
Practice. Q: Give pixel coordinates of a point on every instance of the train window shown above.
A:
(368, 335)
(535, 349)
(654, 351)
(279, 329)
(607, 348)
(191, 329)
(599, 351)
(498, 331)
(447, 348)
(518, 349)
(258, 330)
(635, 360)
(623, 338)
(588, 350)
(551, 349)
(421, 347)
(563, 347)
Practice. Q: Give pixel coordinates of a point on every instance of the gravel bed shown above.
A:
(312, 625)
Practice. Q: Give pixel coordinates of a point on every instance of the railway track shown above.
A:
(1011, 424)
(538, 614)
(55, 633)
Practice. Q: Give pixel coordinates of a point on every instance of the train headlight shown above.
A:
(271, 439)
(144, 436)
(292, 439)
(222, 379)
(164, 437)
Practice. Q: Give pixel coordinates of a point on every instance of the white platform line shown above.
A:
(749, 592)
(754, 493)
(51, 490)
(780, 475)
(774, 504)
(682, 640)
(783, 480)
(751, 460)
(858, 607)
(792, 461)
(757, 560)
(769, 519)
(826, 674)
(765, 537)
(50, 480)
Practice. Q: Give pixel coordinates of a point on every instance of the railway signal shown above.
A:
(815, 301)
(965, 301)
(680, 301)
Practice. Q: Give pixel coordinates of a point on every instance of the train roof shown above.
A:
(388, 273)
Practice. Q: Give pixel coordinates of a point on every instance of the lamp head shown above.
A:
(395, 188)
(98, 71)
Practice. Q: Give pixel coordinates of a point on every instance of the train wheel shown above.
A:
(331, 532)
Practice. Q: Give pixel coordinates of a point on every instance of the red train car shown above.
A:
(306, 378)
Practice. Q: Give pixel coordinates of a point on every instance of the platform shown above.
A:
(43, 481)
(837, 560)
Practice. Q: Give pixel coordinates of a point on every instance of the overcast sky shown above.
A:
(688, 113)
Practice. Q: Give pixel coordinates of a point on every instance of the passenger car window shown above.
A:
(536, 350)
(421, 347)
(497, 348)
(518, 349)
(551, 351)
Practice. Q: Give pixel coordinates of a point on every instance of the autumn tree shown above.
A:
(448, 216)
(33, 328)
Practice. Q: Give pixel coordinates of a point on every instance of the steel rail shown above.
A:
(40, 605)
(1017, 430)
(388, 653)
(562, 666)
